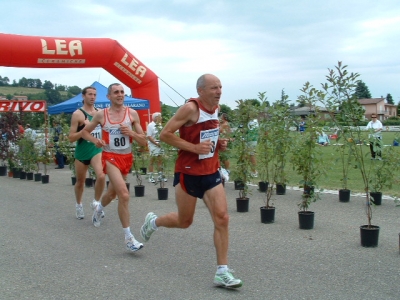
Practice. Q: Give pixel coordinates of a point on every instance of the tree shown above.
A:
(48, 85)
(9, 96)
(362, 90)
(4, 81)
(53, 96)
(389, 99)
(23, 82)
(74, 89)
(225, 109)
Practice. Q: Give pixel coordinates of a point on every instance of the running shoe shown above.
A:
(79, 213)
(96, 218)
(227, 280)
(151, 180)
(147, 229)
(94, 204)
(133, 245)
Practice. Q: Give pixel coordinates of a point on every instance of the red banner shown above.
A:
(22, 106)
(60, 52)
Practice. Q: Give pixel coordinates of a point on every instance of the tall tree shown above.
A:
(74, 89)
(389, 99)
(362, 90)
(47, 85)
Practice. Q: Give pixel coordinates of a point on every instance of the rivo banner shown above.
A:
(22, 106)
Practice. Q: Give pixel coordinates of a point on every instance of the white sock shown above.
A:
(99, 207)
(153, 224)
(78, 205)
(222, 269)
(127, 232)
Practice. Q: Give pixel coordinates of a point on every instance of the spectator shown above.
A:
(375, 137)
(323, 139)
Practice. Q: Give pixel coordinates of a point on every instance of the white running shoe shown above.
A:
(151, 180)
(79, 213)
(147, 229)
(96, 218)
(94, 204)
(133, 245)
(227, 280)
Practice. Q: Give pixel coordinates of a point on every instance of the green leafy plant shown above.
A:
(27, 153)
(136, 149)
(9, 138)
(347, 113)
(245, 113)
(280, 139)
(306, 155)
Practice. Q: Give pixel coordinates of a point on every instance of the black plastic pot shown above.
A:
(143, 171)
(369, 235)
(22, 175)
(262, 186)
(16, 172)
(376, 197)
(239, 184)
(38, 176)
(88, 182)
(45, 178)
(3, 170)
(73, 180)
(242, 204)
(306, 219)
(344, 195)
(29, 176)
(267, 214)
(280, 189)
(139, 190)
(128, 185)
(162, 193)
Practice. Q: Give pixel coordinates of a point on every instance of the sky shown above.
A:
(252, 46)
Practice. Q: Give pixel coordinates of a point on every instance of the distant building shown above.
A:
(372, 105)
(379, 107)
(20, 98)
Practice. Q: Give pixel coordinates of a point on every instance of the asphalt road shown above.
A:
(46, 253)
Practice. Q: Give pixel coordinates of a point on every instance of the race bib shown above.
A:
(118, 141)
(97, 132)
(212, 135)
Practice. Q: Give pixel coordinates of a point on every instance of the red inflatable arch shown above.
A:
(54, 52)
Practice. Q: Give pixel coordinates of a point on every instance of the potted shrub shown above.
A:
(168, 155)
(381, 174)
(264, 156)
(306, 157)
(244, 113)
(345, 160)
(139, 187)
(8, 139)
(27, 155)
(279, 117)
(342, 99)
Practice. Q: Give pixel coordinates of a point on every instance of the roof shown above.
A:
(370, 100)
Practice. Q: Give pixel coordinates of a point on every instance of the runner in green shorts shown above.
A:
(86, 153)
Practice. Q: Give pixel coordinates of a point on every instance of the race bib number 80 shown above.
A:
(118, 141)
